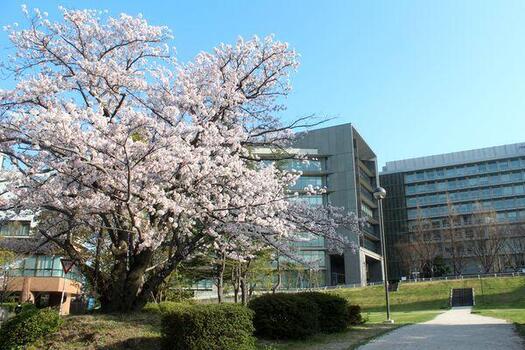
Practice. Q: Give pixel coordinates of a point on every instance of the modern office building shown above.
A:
(443, 195)
(35, 273)
(341, 161)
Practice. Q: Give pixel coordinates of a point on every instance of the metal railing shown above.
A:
(462, 277)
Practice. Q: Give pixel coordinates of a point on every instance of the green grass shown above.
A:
(138, 331)
(413, 303)
(490, 293)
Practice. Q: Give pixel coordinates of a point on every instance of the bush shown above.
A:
(333, 311)
(12, 305)
(354, 315)
(211, 326)
(27, 327)
(165, 306)
(284, 316)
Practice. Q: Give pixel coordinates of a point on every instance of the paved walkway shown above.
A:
(455, 329)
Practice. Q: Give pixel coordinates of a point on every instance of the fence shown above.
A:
(211, 295)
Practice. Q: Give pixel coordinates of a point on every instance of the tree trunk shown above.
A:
(277, 284)
(236, 283)
(123, 293)
(244, 292)
(220, 278)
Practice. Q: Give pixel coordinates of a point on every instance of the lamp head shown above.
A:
(379, 193)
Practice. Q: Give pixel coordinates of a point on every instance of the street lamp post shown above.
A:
(379, 195)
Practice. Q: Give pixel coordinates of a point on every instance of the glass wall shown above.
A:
(499, 204)
(306, 181)
(467, 195)
(306, 165)
(466, 170)
(15, 228)
(475, 181)
(43, 266)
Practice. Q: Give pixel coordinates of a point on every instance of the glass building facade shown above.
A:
(347, 169)
(429, 188)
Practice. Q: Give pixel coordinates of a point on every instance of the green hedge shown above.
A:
(333, 311)
(295, 316)
(284, 316)
(208, 327)
(27, 327)
(166, 306)
(354, 314)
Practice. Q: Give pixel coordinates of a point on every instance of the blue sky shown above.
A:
(415, 77)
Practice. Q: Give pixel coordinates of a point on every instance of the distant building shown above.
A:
(444, 195)
(35, 274)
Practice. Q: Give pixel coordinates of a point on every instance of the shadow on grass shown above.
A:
(511, 300)
(140, 343)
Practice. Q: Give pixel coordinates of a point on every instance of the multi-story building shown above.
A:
(444, 196)
(34, 273)
(342, 162)
(337, 159)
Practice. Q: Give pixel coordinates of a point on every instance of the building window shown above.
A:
(310, 200)
(365, 209)
(15, 228)
(304, 164)
(305, 181)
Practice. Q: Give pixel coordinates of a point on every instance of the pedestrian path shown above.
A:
(457, 329)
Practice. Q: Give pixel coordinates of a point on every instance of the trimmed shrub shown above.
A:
(27, 327)
(354, 315)
(165, 306)
(284, 316)
(208, 327)
(333, 311)
(168, 306)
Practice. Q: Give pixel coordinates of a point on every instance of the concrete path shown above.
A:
(454, 329)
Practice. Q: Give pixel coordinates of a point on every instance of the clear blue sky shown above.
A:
(415, 77)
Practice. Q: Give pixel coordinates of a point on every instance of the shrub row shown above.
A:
(27, 327)
(208, 327)
(294, 316)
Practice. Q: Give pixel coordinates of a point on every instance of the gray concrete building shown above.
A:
(443, 196)
(347, 167)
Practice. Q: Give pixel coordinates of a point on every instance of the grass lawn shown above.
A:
(138, 331)
(413, 303)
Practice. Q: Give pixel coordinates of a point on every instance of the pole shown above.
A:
(385, 271)
(62, 297)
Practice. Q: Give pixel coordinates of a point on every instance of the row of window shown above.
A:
(305, 181)
(368, 179)
(305, 165)
(485, 193)
(366, 210)
(15, 228)
(456, 184)
(43, 266)
(315, 259)
(463, 208)
(367, 194)
(308, 240)
(308, 199)
(465, 170)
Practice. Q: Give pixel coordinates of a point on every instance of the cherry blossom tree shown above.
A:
(119, 149)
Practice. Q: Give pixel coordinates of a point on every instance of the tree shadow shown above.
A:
(140, 343)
